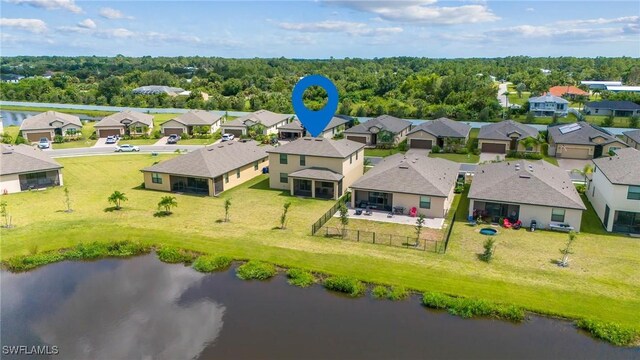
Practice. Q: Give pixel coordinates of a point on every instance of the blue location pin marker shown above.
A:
(315, 121)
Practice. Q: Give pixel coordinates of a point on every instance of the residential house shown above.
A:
(548, 105)
(632, 138)
(23, 167)
(295, 129)
(124, 123)
(316, 167)
(614, 191)
(404, 182)
(160, 89)
(581, 140)
(568, 91)
(438, 132)
(185, 123)
(384, 129)
(600, 85)
(269, 120)
(506, 136)
(526, 191)
(609, 107)
(210, 170)
(49, 124)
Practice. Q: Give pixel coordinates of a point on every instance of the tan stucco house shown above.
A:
(506, 136)
(23, 167)
(632, 138)
(404, 182)
(581, 140)
(525, 190)
(185, 123)
(371, 132)
(437, 132)
(210, 170)
(316, 167)
(49, 124)
(124, 123)
(270, 120)
(614, 191)
(295, 129)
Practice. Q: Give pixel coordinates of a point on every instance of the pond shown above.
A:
(15, 117)
(141, 308)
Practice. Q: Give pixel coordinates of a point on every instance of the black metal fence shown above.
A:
(447, 235)
(370, 237)
(328, 215)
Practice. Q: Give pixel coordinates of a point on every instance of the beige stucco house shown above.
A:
(49, 124)
(506, 136)
(581, 140)
(371, 132)
(316, 167)
(614, 191)
(404, 182)
(270, 120)
(632, 138)
(437, 132)
(23, 167)
(525, 190)
(210, 170)
(185, 123)
(295, 129)
(124, 123)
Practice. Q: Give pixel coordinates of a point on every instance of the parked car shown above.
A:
(127, 148)
(227, 137)
(44, 143)
(111, 139)
(173, 139)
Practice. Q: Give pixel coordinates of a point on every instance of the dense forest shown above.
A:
(401, 86)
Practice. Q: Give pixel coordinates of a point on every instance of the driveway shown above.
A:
(486, 157)
(570, 164)
(101, 142)
(502, 88)
(162, 141)
(418, 152)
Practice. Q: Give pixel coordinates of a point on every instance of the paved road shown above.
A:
(502, 88)
(89, 151)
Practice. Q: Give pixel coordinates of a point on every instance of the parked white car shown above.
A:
(227, 137)
(127, 148)
(44, 143)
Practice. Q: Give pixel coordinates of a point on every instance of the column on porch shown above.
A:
(335, 190)
(212, 189)
(313, 188)
(292, 186)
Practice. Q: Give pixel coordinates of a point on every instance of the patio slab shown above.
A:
(382, 216)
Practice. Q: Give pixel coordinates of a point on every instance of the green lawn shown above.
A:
(380, 152)
(461, 158)
(602, 282)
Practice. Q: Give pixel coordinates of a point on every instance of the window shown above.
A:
(226, 178)
(238, 173)
(138, 129)
(156, 178)
(425, 202)
(303, 160)
(284, 178)
(283, 159)
(255, 166)
(633, 193)
(557, 215)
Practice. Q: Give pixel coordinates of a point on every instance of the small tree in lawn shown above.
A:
(586, 170)
(166, 203)
(344, 218)
(67, 200)
(530, 118)
(419, 225)
(227, 207)
(489, 248)
(608, 121)
(520, 88)
(117, 198)
(633, 121)
(5, 214)
(567, 250)
(283, 217)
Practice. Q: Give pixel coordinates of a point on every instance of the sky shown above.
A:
(320, 28)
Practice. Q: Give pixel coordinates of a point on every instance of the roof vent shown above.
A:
(403, 167)
(307, 139)
(525, 176)
(316, 139)
(517, 167)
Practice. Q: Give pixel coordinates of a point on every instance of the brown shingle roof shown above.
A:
(443, 127)
(384, 122)
(43, 121)
(319, 147)
(501, 130)
(197, 118)
(580, 133)
(264, 117)
(623, 168)
(117, 118)
(317, 174)
(24, 159)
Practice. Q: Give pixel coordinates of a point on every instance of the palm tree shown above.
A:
(166, 203)
(117, 198)
(586, 170)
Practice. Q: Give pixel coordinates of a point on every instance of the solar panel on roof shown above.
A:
(569, 128)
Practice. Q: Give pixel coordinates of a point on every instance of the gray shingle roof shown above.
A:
(323, 147)
(265, 117)
(420, 175)
(633, 135)
(17, 159)
(444, 127)
(197, 118)
(613, 105)
(317, 174)
(623, 168)
(116, 119)
(213, 160)
(583, 135)
(501, 130)
(548, 98)
(384, 122)
(546, 185)
(296, 125)
(43, 121)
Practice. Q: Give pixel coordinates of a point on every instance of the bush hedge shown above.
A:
(391, 293)
(345, 284)
(299, 277)
(173, 255)
(257, 270)
(467, 308)
(209, 263)
(613, 333)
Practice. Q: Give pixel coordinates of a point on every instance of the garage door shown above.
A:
(103, 133)
(36, 136)
(360, 139)
(494, 148)
(420, 144)
(574, 153)
(236, 133)
(172, 131)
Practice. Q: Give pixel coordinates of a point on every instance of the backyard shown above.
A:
(602, 282)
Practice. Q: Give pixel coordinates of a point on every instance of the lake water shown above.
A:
(140, 308)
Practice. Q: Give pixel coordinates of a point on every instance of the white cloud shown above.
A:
(351, 28)
(35, 26)
(118, 33)
(111, 13)
(602, 21)
(422, 12)
(87, 24)
(530, 9)
(69, 5)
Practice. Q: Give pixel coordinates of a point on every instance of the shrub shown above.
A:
(257, 270)
(6, 138)
(299, 277)
(402, 146)
(581, 188)
(467, 308)
(394, 293)
(462, 151)
(379, 292)
(489, 245)
(173, 255)
(210, 263)
(611, 332)
(157, 134)
(93, 136)
(21, 140)
(345, 284)
(435, 149)
(185, 136)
